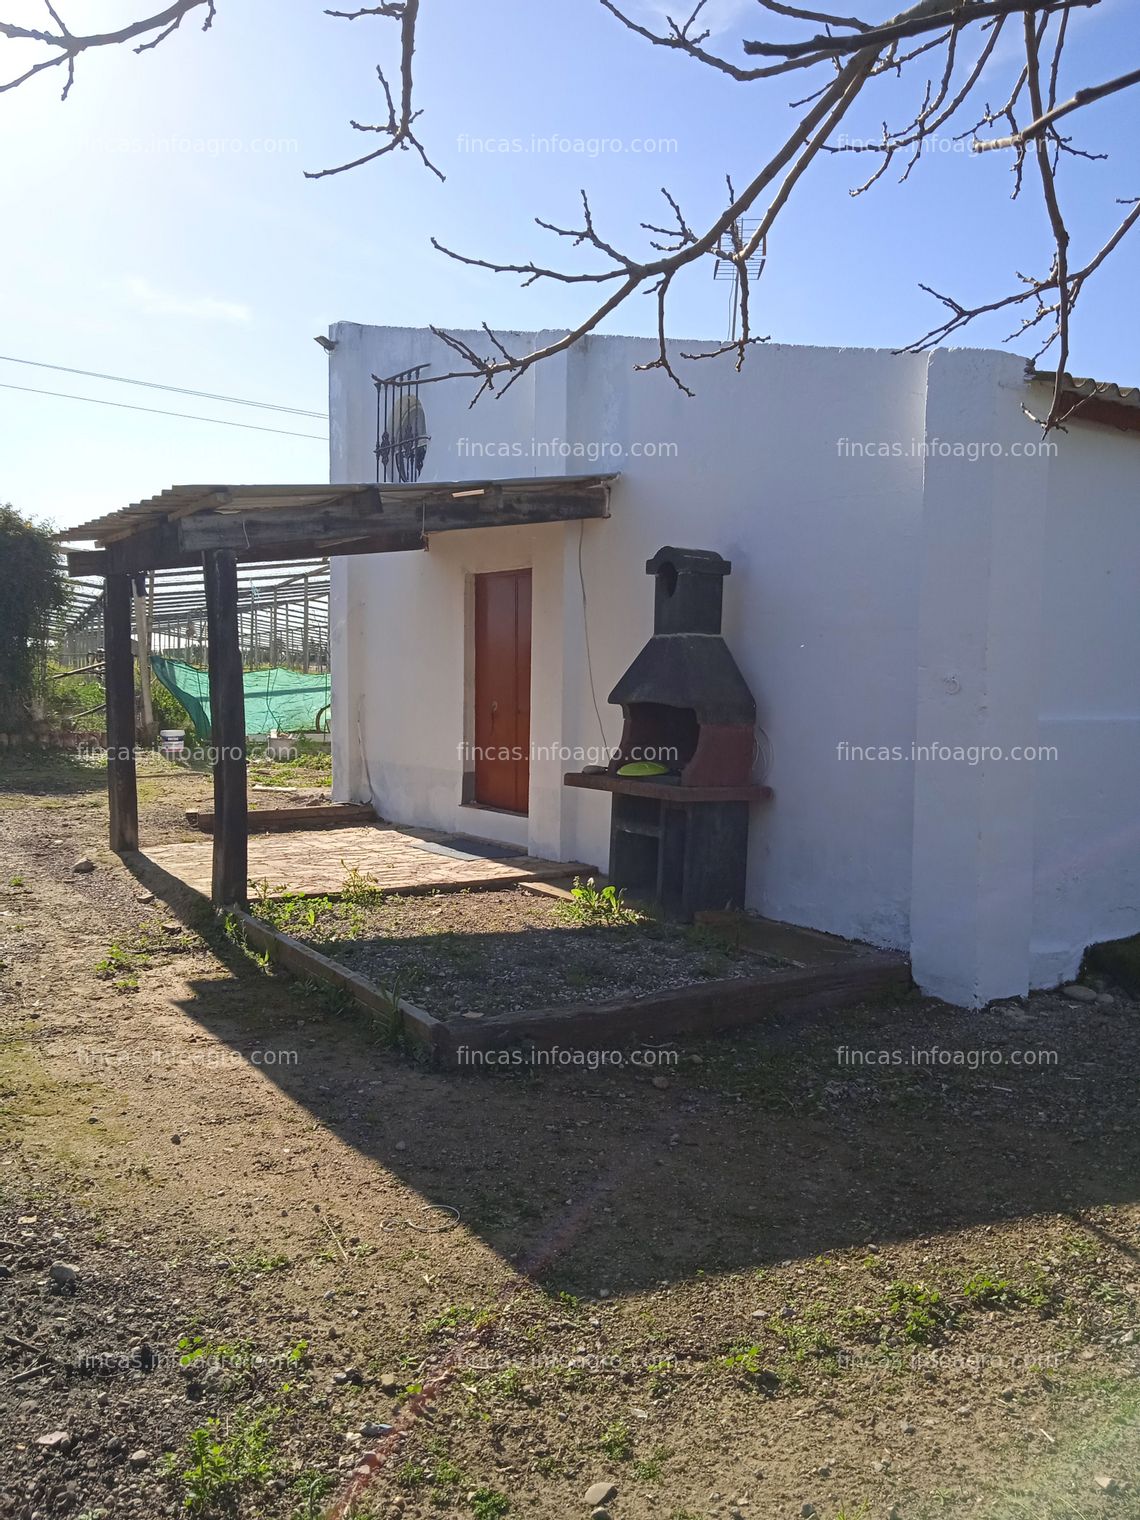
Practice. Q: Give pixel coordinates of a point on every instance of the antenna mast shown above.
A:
(726, 268)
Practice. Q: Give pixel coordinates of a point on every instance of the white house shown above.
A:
(937, 611)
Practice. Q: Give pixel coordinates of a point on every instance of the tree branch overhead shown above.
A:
(945, 50)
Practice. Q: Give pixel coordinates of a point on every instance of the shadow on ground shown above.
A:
(782, 1144)
(49, 773)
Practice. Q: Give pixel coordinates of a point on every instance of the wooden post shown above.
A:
(119, 674)
(227, 711)
(142, 639)
(305, 630)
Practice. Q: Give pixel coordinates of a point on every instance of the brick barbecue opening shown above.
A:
(681, 836)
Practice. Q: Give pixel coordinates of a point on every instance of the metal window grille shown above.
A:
(401, 428)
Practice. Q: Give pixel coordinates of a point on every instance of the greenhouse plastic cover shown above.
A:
(275, 699)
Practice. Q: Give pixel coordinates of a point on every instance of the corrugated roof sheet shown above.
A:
(1092, 390)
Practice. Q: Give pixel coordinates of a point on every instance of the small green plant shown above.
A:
(311, 1488)
(591, 904)
(446, 1474)
(16, 881)
(617, 1441)
(801, 1340)
(921, 1315)
(487, 1504)
(749, 1363)
(361, 888)
(258, 1263)
(387, 1021)
(226, 1459)
(410, 1475)
(985, 1292)
(118, 961)
(456, 1317)
(648, 1469)
(859, 1323)
(1107, 1293)
(198, 1350)
(1079, 1245)
(509, 1384)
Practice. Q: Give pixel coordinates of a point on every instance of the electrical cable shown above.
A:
(155, 411)
(586, 637)
(156, 385)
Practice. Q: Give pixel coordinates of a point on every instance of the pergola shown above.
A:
(220, 527)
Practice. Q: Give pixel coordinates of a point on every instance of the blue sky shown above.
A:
(159, 225)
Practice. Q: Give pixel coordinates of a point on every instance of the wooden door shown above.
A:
(502, 690)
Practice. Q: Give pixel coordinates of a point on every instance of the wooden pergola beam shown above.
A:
(364, 523)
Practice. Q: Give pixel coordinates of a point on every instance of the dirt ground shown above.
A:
(800, 1273)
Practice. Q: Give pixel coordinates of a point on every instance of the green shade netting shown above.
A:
(274, 699)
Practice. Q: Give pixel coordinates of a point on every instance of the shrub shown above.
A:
(33, 591)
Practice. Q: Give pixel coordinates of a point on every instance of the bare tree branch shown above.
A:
(399, 128)
(633, 275)
(64, 46)
(846, 57)
(925, 16)
(1084, 97)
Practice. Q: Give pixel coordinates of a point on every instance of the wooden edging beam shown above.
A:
(300, 960)
(701, 1009)
(275, 820)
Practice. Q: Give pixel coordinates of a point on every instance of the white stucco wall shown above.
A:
(1086, 864)
(882, 592)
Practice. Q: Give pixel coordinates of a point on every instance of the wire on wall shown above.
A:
(586, 634)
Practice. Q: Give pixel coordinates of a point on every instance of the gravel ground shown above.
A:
(99, 1405)
(503, 951)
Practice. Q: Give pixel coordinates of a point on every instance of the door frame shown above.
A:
(467, 796)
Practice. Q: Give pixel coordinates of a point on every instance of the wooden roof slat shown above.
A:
(293, 523)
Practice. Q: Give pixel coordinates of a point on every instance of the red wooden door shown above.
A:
(502, 690)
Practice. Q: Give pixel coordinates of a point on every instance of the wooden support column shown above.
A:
(227, 710)
(142, 639)
(122, 790)
(305, 630)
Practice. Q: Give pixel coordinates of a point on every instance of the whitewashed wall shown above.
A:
(881, 592)
(1086, 867)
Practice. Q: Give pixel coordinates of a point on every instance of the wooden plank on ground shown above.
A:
(703, 1008)
(299, 959)
(275, 820)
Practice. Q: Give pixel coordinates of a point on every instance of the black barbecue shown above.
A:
(681, 835)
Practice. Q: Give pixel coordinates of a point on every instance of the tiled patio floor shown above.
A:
(399, 860)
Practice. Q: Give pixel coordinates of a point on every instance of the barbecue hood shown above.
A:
(684, 699)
